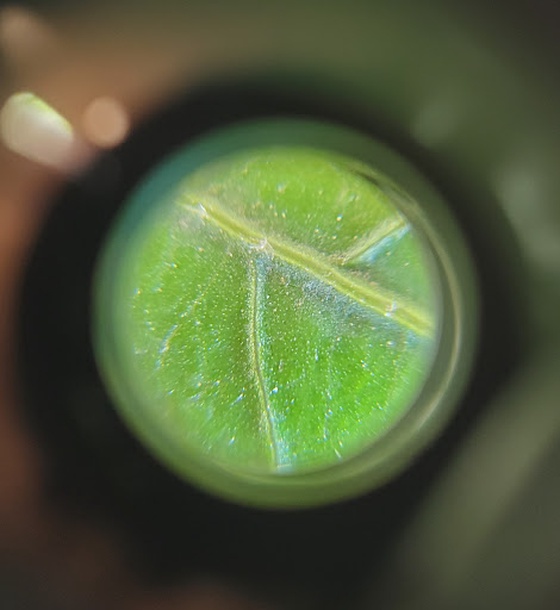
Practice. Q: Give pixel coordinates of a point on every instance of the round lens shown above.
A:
(270, 307)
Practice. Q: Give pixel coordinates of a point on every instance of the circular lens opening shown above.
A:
(281, 312)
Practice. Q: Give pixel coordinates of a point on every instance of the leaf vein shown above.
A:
(375, 237)
(256, 361)
(369, 294)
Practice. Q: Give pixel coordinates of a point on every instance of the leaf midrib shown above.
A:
(373, 296)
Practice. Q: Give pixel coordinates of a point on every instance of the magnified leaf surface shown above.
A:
(279, 315)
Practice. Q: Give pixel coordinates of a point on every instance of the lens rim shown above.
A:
(458, 313)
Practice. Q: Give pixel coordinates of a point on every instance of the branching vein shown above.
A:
(377, 235)
(256, 364)
(368, 294)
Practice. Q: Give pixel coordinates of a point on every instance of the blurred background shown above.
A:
(467, 92)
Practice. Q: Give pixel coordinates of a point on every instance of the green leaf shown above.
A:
(278, 316)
